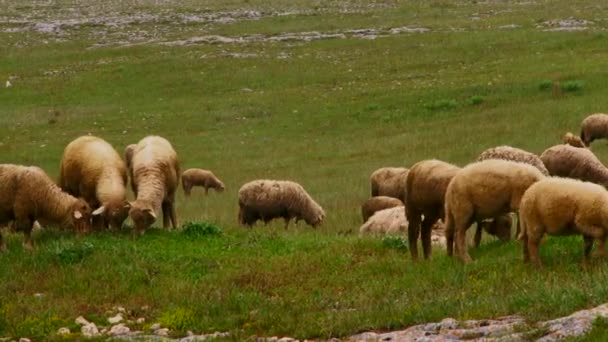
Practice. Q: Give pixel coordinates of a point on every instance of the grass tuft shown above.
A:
(573, 86)
(545, 84)
(395, 242)
(69, 252)
(201, 229)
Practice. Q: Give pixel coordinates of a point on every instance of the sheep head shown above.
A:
(219, 187)
(80, 216)
(114, 213)
(143, 216)
(499, 227)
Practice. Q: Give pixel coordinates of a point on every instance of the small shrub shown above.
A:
(371, 107)
(4, 314)
(545, 84)
(572, 86)
(178, 320)
(476, 100)
(71, 253)
(200, 229)
(443, 104)
(395, 242)
(40, 328)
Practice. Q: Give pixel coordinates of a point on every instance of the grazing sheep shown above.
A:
(389, 220)
(484, 189)
(28, 195)
(573, 140)
(377, 203)
(128, 155)
(514, 154)
(389, 181)
(595, 126)
(573, 162)
(499, 227)
(200, 177)
(425, 191)
(91, 169)
(562, 206)
(155, 170)
(268, 199)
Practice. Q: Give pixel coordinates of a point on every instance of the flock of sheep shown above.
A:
(559, 192)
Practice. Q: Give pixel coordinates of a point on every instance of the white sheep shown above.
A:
(562, 206)
(91, 169)
(389, 181)
(269, 199)
(481, 190)
(29, 195)
(200, 177)
(156, 172)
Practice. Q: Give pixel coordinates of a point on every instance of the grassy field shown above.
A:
(324, 113)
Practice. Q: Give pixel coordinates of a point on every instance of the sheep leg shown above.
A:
(173, 215)
(477, 240)
(425, 234)
(2, 244)
(166, 214)
(588, 245)
(287, 219)
(601, 248)
(26, 226)
(412, 233)
(524, 241)
(533, 243)
(206, 191)
(518, 227)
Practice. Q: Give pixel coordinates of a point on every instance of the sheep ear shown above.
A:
(151, 213)
(99, 211)
(127, 205)
(77, 214)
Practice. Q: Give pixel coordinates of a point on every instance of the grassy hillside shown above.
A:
(324, 113)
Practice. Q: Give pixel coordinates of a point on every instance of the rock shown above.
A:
(81, 321)
(155, 326)
(287, 339)
(23, 339)
(140, 320)
(115, 319)
(162, 332)
(89, 330)
(63, 331)
(119, 329)
(121, 309)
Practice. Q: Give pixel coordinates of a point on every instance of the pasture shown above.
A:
(319, 92)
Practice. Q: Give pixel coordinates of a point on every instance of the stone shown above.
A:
(155, 326)
(119, 329)
(89, 330)
(140, 320)
(63, 331)
(115, 319)
(23, 339)
(162, 332)
(81, 321)
(287, 339)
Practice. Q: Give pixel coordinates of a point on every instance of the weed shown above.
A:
(178, 320)
(395, 242)
(68, 252)
(444, 104)
(476, 100)
(572, 86)
(40, 328)
(201, 229)
(545, 84)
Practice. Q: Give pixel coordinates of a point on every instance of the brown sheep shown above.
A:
(269, 199)
(156, 172)
(425, 191)
(389, 181)
(595, 126)
(91, 169)
(573, 140)
(562, 206)
(481, 190)
(28, 195)
(514, 154)
(200, 177)
(371, 205)
(574, 162)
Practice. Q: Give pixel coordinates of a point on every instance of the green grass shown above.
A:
(326, 117)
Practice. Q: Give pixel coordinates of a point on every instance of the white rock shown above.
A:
(119, 329)
(155, 326)
(81, 321)
(89, 330)
(8, 84)
(23, 339)
(140, 320)
(63, 331)
(121, 309)
(287, 339)
(161, 332)
(115, 319)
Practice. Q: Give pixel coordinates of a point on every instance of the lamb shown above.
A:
(482, 190)
(389, 181)
(424, 195)
(386, 221)
(573, 162)
(91, 169)
(29, 195)
(562, 206)
(573, 140)
(156, 172)
(595, 126)
(514, 154)
(200, 177)
(269, 199)
(378, 203)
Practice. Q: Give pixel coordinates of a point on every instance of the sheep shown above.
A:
(268, 199)
(156, 172)
(562, 206)
(29, 195)
(377, 203)
(594, 126)
(573, 140)
(425, 188)
(91, 169)
(389, 220)
(482, 190)
(128, 155)
(389, 181)
(514, 154)
(573, 162)
(204, 178)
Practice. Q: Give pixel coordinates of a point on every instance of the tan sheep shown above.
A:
(424, 196)
(200, 177)
(374, 204)
(389, 220)
(269, 199)
(562, 206)
(514, 154)
(481, 190)
(91, 169)
(573, 140)
(389, 181)
(128, 155)
(29, 195)
(574, 162)
(595, 126)
(156, 172)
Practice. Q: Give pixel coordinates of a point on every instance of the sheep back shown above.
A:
(514, 154)
(374, 204)
(573, 162)
(594, 126)
(389, 181)
(426, 184)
